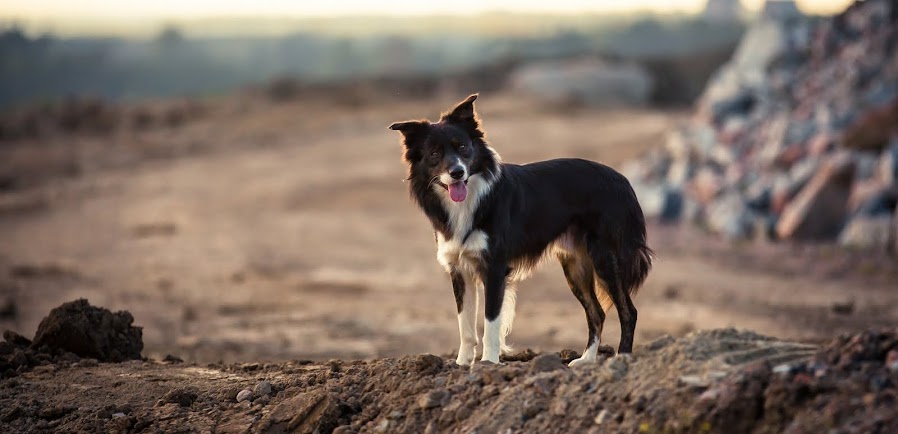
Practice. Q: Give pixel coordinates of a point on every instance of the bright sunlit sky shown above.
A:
(162, 9)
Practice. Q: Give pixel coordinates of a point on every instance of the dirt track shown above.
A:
(278, 232)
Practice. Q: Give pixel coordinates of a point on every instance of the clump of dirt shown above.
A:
(90, 331)
(850, 385)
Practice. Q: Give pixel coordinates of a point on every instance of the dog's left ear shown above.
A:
(463, 112)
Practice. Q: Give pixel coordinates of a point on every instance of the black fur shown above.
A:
(531, 205)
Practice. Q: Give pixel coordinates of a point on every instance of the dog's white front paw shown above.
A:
(582, 361)
(490, 356)
(466, 356)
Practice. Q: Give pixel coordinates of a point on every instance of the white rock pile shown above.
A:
(796, 138)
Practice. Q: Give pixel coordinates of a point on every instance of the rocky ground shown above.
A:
(716, 381)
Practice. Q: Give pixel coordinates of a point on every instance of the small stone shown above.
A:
(244, 395)
(262, 389)
(383, 426)
(693, 381)
(546, 363)
(118, 415)
(783, 369)
(602, 417)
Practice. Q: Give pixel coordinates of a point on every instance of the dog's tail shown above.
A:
(634, 256)
(634, 264)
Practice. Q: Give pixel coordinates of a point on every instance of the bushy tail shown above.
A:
(635, 263)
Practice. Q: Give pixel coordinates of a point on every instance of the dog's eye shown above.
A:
(462, 147)
(435, 154)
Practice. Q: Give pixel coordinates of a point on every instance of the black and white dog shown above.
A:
(494, 222)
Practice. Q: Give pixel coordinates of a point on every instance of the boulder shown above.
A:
(90, 331)
(820, 209)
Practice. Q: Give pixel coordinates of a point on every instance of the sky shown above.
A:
(186, 9)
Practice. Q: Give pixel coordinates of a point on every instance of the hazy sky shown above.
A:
(156, 9)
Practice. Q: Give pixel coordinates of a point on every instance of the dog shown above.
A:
(494, 222)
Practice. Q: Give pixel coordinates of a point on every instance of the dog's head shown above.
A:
(447, 152)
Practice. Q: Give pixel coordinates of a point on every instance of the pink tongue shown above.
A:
(458, 191)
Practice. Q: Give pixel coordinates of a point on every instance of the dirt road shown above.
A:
(278, 232)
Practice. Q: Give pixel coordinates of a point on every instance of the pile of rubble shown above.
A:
(796, 138)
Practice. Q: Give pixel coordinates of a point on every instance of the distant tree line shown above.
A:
(46, 68)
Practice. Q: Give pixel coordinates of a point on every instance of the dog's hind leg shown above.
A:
(607, 267)
(466, 301)
(579, 272)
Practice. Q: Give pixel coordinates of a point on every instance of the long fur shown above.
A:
(517, 215)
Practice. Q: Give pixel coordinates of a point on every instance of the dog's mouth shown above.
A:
(458, 190)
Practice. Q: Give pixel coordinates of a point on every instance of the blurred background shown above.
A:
(222, 169)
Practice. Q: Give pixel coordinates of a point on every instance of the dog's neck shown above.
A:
(454, 220)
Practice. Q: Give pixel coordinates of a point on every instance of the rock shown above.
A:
(8, 307)
(888, 164)
(15, 338)
(244, 395)
(881, 203)
(869, 193)
(869, 165)
(433, 399)
(546, 363)
(868, 232)
(673, 206)
(182, 397)
(735, 105)
(90, 331)
(694, 382)
(616, 367)
(819, 210)
(730, 216)
(262, 389)
(602, 417)
(843, 307)
(428, 364)
(706, 184)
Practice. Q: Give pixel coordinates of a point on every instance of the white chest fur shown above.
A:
(464, 248)
(464, 256)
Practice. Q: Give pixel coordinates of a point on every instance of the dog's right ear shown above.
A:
(412, 130)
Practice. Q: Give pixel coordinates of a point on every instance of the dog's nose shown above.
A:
(457, 172)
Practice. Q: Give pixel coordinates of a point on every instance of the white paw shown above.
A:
(466, 356)
(490, 356)
(582, 361)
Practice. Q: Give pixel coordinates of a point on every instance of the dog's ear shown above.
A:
(413, 135)
(464, 111)
(464, 116)
(412, 130)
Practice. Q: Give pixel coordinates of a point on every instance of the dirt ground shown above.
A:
(264, 239)
(267, 231)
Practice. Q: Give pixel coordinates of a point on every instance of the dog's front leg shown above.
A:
(494, 294)
(466, 302)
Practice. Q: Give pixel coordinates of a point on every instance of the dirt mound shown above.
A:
(643, 392)
(851, 385)
(90, 331)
